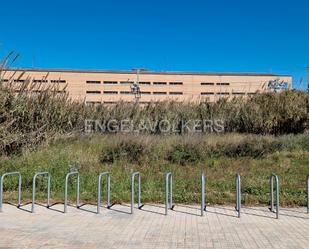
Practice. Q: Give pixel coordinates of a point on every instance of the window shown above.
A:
(145, 92)
(93, 103)
(223, 93)
(4, 80)
(144, 83)
(19, 81)
(110, 102)
(110, 82)
(93, 82)
(93, 92)
(110, 92)
(207, 84)
(126, 82)
(159, 93)
(223, 84)
(39, 81)
(58, 81)
(207, 93)
(176, 93)
(238, 93)
(159, 83)
(125, 92)
(176, 83)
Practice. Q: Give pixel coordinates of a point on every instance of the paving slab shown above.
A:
(150, 228)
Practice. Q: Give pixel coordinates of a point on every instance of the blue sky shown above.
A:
(251, 36)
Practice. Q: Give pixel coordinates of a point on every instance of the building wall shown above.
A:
(94, 86)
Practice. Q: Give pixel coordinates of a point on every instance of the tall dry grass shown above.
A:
(27, 118)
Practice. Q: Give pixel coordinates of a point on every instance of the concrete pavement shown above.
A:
(150, 228)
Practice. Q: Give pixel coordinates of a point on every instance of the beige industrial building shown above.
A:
(111, 86)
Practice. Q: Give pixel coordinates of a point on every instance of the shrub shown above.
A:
(250, 147)
(133, 151)
(184, 154)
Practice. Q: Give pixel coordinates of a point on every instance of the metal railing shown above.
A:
(66, 190)
(168, 183)
(203, 198)
(272, 177)
(132, 191)
(99, 190)
(308, 194)
(34, 187)
(19, 187)
(238, 194)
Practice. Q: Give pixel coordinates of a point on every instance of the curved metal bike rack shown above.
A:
(99, 190)
(19, 187)
(307, 194)
(34, 186)
(66, 190)
(169, 193)
(139, 191)
(168, 183)
(238, 194)
(272, 178)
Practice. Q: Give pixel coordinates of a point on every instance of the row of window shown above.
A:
(226, 93)
(128, 92)
(155, 83)
(212, 84)
(41, 91)
(95, 103)
(131, 82)
(171, 93)
(108, 82)
(35, 81)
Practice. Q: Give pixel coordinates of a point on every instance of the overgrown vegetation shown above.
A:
(27, 120)
(162, 154)
(264, 133)
(184, 150)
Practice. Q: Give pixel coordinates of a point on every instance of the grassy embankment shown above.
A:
(219, 156)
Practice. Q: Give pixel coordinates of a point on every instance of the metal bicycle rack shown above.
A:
(19, 187)
(132, 191)
(203, 199)
(169, 193)
(34, 186)
(308, 194)
(274, 184)
(238, 194)
(272, 178)
(168, 183)
(99, 190)
(66, 190)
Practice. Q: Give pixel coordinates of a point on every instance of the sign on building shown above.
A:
(277, 85)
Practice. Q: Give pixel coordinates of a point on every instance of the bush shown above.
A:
(184, 153)
(133, 151)
(250, 147)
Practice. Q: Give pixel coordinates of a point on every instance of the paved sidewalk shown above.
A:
(150, 228)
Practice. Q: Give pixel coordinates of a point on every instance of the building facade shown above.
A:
(111, 86)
